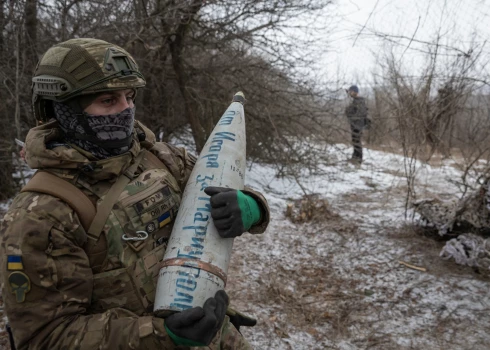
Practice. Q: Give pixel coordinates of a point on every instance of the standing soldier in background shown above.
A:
(357, 113)
(82, 244)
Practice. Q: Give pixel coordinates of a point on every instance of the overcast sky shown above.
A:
(359, 25)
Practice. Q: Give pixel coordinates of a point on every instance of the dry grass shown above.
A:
(428, 244)
(311, 292)
(330, 302)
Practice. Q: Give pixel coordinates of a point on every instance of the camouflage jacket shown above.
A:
(66, 290)
(357, 112)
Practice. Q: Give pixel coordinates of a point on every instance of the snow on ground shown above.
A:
(338, 283)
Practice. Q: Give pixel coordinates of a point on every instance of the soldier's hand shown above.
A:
(233, 211)
(199, 325)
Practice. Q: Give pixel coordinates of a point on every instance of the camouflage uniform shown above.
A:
(79, 291)
(356, 113)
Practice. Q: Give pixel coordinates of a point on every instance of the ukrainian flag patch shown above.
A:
(164, 219)
(14, 263)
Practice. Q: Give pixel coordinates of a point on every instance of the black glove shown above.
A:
(199, 325)
(233, 211)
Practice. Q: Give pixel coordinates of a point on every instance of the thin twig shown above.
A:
(418, 268)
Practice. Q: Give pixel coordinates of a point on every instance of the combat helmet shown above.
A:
(80, 67)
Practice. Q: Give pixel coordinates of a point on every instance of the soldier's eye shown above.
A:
(107, 101)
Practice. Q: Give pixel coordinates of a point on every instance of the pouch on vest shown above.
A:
(132, 288)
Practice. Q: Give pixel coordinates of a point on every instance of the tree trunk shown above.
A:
(30, 45)
(18, 57)
(176, 43)
(2, 25)
(7, 184)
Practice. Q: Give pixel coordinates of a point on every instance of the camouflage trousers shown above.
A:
(356, 134)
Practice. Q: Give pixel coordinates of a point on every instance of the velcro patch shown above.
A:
(164, 219)
(20, 284)
(55, 56)
(157, 211)
(14, 263)
(157, 197)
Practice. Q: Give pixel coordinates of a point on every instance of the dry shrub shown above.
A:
(310, 208)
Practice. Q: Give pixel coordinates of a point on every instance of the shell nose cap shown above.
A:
(239, 97)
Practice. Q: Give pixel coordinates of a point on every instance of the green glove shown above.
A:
(233, 211)
(198, 326)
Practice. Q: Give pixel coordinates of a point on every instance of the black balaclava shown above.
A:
(103, 136)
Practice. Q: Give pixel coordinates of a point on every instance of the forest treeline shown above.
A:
(194, 54)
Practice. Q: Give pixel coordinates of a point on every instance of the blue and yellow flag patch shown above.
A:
(164, 219)
(14, 263)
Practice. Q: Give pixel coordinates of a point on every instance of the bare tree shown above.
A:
(194, 55)
(441, 110)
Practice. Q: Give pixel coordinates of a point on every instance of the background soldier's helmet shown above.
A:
(81, 67)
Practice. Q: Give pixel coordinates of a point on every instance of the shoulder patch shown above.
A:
(20, 284)
(14, 263)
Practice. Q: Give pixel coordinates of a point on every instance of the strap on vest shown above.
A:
(45, 182)
(92, 219)
(105, 207)
(155, 161)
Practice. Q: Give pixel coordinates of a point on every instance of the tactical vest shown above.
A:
(125, 255)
